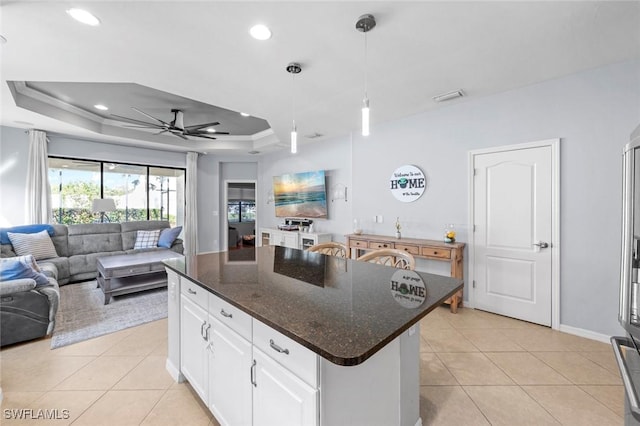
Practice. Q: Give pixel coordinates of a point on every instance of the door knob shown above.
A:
(541, 244)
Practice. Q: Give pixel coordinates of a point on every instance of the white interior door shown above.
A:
(514, 210)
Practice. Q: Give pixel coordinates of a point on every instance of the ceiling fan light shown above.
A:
(84, 17)
(101, 107)
(211, 130)
(260, 32)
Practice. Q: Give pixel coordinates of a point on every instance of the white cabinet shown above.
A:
(221, 356)
(248, 373)
(279, 397)
(280, 238)
(194, 363)
(173, 320)
(229, 376)
(292, 239)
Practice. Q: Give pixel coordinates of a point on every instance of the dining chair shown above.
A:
(331, 249)
(390, 257)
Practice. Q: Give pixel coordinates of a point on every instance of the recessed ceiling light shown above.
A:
(244, 114)
(83, 16)
(101, 107)
(260, 32)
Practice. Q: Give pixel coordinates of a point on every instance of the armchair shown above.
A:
(27, 311)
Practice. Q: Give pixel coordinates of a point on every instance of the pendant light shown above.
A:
(294, 68)
(365, 24)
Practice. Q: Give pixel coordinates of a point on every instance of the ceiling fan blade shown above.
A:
(205, 133)
(197, 135)
(161, 132)
(133, 120)
(150, 116)
(200, 126)
(180, 136)
(150, 126)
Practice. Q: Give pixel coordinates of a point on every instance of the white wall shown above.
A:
(593, 113)
(213, 170)
(14, 152)
(334, 157)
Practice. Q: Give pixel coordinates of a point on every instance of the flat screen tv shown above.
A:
(300, 195)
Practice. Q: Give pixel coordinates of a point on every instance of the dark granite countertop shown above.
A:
(342, 309)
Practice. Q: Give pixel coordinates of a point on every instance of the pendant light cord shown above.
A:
(366, 67)
(293, 99)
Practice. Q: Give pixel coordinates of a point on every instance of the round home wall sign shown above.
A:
(407, 183)
(408, 288)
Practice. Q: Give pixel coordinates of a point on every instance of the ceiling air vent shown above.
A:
(449, 95)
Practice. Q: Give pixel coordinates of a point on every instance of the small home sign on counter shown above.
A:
(407, 183)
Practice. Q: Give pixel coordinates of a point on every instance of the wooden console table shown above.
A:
(425, 249)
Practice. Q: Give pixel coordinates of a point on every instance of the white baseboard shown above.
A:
(174, 372)
(585, 333)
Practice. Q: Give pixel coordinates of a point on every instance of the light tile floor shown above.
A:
(477, 368)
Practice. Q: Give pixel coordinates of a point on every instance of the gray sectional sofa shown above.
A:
(28, 312)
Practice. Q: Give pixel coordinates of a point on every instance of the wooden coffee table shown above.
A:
(130, 273)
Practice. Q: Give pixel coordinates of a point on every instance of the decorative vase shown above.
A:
(449, 233)
(356, 227)
(398, 235)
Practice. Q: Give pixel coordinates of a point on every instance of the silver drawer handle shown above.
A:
(253, 374)
(191, 291)
(278, 348)
(224, 314)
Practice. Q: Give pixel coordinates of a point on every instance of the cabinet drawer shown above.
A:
(359, 243)
(436, 252)
(296, 358)
(131, 270)
(408, 248)
(380, 245)
(234, 318)
(195, 293)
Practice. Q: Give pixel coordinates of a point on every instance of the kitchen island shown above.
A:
(300, 338)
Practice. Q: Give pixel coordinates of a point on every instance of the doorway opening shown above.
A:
(241, 214)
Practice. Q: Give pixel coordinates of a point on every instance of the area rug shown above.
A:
(83, 315)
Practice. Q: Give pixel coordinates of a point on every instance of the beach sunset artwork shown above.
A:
(300, 195)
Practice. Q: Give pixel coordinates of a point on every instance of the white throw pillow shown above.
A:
(39, 245)
(147, 239)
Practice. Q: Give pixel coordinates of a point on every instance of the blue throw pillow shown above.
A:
(16, 268)
(24, 229)
(168, 236)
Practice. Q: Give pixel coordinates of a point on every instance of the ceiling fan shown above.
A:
(176, 126)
